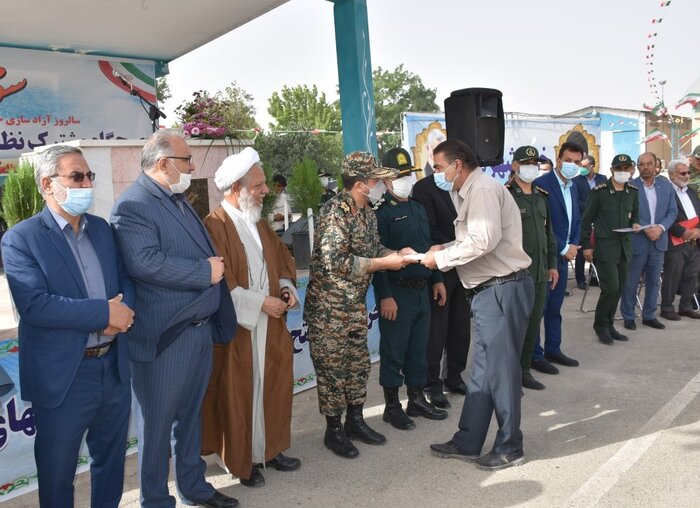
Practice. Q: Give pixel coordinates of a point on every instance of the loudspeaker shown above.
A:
(475, 116)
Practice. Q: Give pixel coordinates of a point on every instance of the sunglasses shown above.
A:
(683, 173)
(77, 176)
(188, 158)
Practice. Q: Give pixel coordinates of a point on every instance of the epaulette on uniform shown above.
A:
(546, 193)
(603, 185)
(632, 186)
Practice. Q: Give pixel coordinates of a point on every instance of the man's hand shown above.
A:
(274, 307)
(636, 228)
(571, 252)
(439, 293)
(588, 255)
(394, 261)
(436, 248)
(406, 251)
(554, 275)
(121, 317)
(429, 260)
(217, 269)
(654, 233)
(388, 308)
(691, 234)
(288, 297)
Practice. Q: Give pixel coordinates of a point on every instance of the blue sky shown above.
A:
(546, 56)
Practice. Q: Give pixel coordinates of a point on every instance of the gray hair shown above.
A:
(46, 162)
(158, 146)
(673, 165)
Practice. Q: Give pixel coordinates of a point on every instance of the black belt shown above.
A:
(200, 322)
(495, 281)
(97, 351)
(408, 282)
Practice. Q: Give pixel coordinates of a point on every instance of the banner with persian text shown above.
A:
(50, 97)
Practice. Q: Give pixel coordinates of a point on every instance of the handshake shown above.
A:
(407, 256)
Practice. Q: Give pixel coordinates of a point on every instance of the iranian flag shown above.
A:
(658, 110)
(687, 136)
(691, 98)
(654, 135)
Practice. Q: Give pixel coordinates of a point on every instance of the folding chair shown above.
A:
(591, 273)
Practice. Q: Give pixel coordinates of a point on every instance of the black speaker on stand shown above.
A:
(475, 116)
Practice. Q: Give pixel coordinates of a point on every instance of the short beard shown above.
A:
(248, 206)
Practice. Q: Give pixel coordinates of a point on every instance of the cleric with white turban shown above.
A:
(234, 167)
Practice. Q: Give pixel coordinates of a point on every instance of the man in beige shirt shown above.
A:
(492, 266)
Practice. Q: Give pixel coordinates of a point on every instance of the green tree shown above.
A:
(20, 197)
(303, 108)
(395, 92)
(162, 90)
(280, 152)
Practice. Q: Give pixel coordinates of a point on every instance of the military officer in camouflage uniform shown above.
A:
(694, 166)
(612, 205)
(538, 242)
(346, 253)
(403, 300)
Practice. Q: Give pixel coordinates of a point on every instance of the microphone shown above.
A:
(126, 81)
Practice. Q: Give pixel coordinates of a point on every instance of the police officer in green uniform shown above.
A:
(538, 242)
(404, 321)
(612, 205)
(346, 253)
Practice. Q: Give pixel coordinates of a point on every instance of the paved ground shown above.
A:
(621, 430)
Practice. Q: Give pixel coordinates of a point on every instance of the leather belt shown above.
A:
(201, 322)
(495, 281)
(408, 282)
(97, 351)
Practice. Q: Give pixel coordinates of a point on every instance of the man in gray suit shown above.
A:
(183, 306)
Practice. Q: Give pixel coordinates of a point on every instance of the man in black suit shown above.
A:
(449, 324)
(588, 179)
(682, 260)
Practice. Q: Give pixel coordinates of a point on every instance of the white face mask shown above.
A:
(375, 193)
(528, 173)
(324, 181)
(183, 183)
(401, 187)
(621, 176)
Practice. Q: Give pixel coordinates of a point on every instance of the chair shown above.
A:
(591, 272)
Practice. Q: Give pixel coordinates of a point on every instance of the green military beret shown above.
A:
(525, 153)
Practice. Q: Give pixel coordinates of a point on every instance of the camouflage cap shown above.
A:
(696, 152)
(364, 165)
(400, 159)
(526, 153)
(622, 159)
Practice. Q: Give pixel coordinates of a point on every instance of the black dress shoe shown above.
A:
(631, 325)
(561, 359)
(605, 337)
(493, 461)
(284, 463)
(450, 450)
(544, 367)
(567, 293)
(218, 500)
(256, 479)
(460, 389)
(531, 383)
(653, 323)
(437, 399)
(581, 286)
(617, 335)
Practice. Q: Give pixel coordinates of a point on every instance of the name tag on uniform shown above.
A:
(523, 211)
(400, 218)
(629, 215)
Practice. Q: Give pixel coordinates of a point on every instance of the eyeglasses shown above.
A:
(77, 176)
(683, 173)
(188, 158)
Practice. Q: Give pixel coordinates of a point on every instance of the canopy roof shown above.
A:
(159, 30)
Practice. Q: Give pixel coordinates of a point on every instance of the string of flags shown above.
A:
(649, 63)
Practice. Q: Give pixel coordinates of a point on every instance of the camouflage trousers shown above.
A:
(340, 356)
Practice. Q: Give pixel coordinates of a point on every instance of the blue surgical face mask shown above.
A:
(584, 171)
(569, 170)
(442, 183)
(78, 201)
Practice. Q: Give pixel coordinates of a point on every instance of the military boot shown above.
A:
(418, 406)
(336, 440)
(393, 412)
(356, 428)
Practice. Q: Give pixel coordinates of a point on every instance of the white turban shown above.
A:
(234, 167)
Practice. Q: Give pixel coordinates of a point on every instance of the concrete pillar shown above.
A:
(355, 76)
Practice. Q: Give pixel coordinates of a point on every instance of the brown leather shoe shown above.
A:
(671, 315)
(693, 314)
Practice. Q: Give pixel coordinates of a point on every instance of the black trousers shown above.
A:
(681, 267)
(449, 332)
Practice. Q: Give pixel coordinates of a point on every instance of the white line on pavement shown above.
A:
(609, 474)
